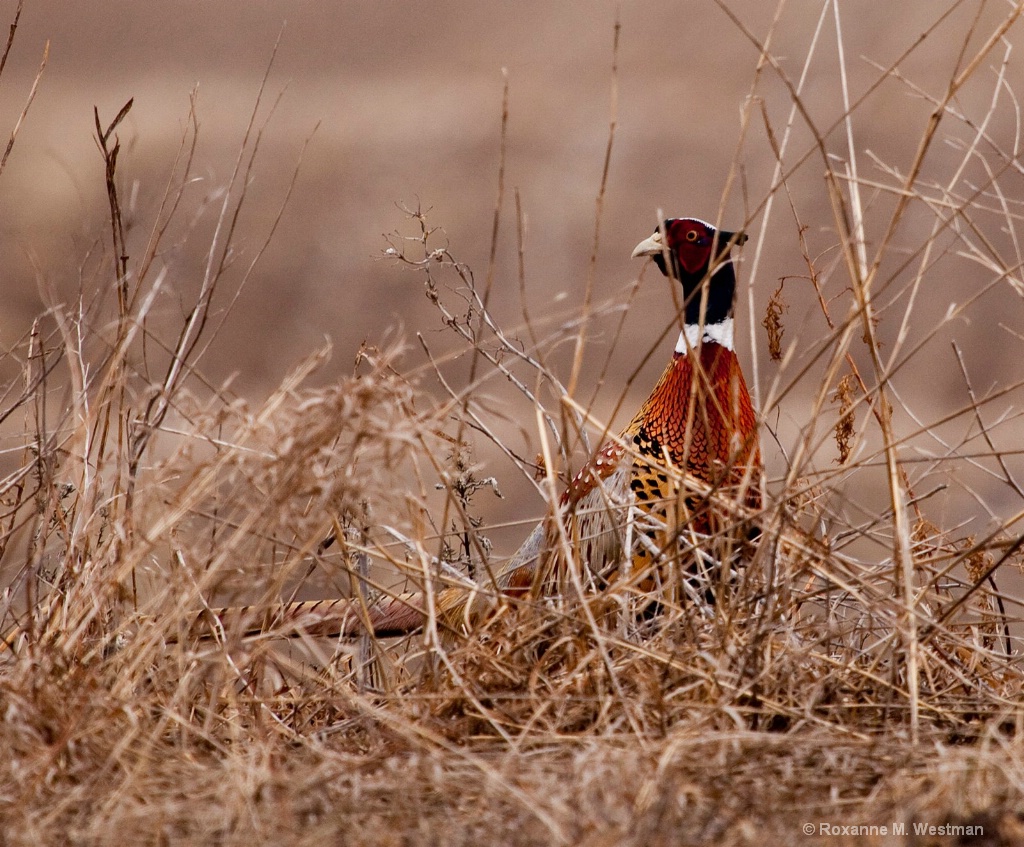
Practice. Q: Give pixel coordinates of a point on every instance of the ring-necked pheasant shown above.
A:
(648, 507)
(657, 496)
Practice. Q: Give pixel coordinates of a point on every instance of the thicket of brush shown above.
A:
(862, 669)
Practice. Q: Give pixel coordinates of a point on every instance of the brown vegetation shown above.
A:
(864, 669)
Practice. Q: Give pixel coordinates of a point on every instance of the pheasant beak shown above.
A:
(652, 246)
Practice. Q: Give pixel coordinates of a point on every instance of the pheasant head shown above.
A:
(696, 254)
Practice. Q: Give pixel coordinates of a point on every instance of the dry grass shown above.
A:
(863, 669)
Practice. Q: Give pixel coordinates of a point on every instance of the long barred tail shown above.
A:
(399, 615)
(454, 608)
(347, 618)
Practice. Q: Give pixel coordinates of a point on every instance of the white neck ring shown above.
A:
(720, 333)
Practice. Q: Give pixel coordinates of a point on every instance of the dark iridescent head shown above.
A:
(686, 244)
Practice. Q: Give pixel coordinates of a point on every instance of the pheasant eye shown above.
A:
(692, 235)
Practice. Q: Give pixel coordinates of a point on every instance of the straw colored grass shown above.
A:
(863, 669)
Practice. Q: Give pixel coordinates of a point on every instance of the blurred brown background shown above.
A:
(405, 100)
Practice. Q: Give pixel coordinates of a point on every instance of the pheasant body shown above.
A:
(627, 507)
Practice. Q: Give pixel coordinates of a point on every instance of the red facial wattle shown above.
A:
(691, 243)
(694, 256)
